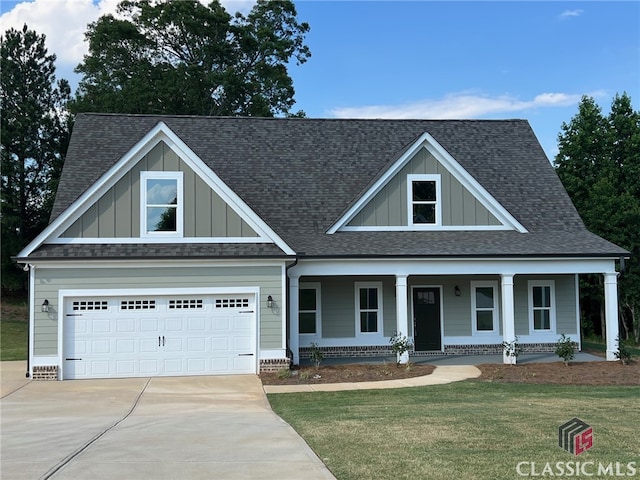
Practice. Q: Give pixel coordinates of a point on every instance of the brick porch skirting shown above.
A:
(45, 373)
(385, 351)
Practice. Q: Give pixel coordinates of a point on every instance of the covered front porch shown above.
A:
(452, 307)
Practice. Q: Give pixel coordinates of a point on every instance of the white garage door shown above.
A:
(107, 337)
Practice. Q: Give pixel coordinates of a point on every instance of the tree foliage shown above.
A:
(34, 131)
(182, 57)
(599, 165)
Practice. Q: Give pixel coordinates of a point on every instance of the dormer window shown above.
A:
(424, 200)
(161, 204)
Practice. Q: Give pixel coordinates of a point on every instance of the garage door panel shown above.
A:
(151, 336)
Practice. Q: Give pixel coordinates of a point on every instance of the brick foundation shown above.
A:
(274, 364)
(45, 373)
(385, 351)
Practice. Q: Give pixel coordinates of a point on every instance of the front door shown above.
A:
(427, 333)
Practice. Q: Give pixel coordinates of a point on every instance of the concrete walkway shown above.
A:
(441, 375)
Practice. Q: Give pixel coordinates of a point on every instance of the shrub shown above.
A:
(623, 353)
(316, 354)
(512, 349)
(284, 373)
(565, 348)
(400, 345)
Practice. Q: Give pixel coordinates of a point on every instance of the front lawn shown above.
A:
(14, 327)
(470, 430)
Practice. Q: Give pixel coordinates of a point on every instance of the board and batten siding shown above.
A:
(117, 213)
(389, 206)
(49, 281)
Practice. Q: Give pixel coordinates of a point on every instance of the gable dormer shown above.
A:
(160, 191)
(426, 189)
(161, 198)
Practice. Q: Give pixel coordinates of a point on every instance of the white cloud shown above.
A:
(457, 106)
(571, 13)
(64, 22)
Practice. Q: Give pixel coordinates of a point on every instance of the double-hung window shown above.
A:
(309, 309)
(161, 204)
(424, 199)
(542, 306)
(484, 307)
(368, 308)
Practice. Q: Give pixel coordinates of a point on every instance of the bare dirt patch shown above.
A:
(556, 373)
(346, 373)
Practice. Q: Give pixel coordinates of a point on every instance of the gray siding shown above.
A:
(389, 206)
(338, 305)
(117, 213)
(50, 280)
(566, 321)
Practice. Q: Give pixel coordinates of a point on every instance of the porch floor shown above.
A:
(457, 359)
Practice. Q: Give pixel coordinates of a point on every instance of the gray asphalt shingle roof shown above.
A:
(300, 175)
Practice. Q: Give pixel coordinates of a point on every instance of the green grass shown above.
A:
(14, 327)
(470, 430)
(602, 348)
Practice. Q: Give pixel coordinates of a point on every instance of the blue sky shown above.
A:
(423, 59)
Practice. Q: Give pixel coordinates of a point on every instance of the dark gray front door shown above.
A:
(426, 319)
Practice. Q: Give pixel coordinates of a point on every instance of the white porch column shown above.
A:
(294, 318)
(508, 315)
(611, 313)
(402, 312)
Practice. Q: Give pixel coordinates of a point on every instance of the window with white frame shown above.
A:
(309, 309)
(542, 306)
(161, 204)
(484, 307)
(424, 199)
(368, 307)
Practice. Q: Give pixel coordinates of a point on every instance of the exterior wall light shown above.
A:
(45, 306)
(269, 301)
(457, 291)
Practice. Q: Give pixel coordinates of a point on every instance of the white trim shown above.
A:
(145, 176)
(155, 239)
(489, 339)
(64, 294)
(413, 314)
(452, 266)
(161, 132)
(495, 309)
(272, 353)
(317, 287)
(577, 294)
(380, 321)
(425, 177)
(369, 341)
(418, 227)
(443, 157)
(159, 263)
(531, 284)
(32, 317)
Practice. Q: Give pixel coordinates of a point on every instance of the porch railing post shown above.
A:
(402, 313)
(611, 313)
(508, 315)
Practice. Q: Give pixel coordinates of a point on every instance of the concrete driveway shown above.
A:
(141, 428)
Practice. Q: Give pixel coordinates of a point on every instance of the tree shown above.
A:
(187, 58)
(599, 165)
(34, 131)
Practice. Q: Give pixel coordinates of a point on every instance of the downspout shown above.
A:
(288, 320)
